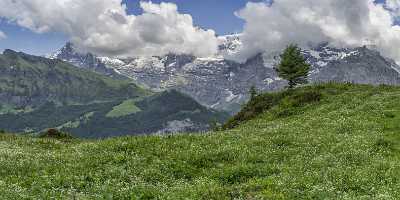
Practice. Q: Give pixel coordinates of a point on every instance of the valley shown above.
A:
(38, 93)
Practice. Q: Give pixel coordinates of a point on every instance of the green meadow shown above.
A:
(329, 141)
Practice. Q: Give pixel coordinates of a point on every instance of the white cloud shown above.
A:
(2, 35)
(340, 22)
(105, 28)
(394, 6)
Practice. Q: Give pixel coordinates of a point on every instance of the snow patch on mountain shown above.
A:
(111, 61)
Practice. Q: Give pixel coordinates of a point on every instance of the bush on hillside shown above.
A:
(285, 102)
(55, 133)
(288, 105)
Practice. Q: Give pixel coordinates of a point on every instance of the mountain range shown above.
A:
(223, 84)
(93, 96)
(37, 93)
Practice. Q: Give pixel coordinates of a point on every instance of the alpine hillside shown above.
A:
(38, 93)
(330, 141)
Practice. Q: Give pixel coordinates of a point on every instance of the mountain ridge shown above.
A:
(223, 84)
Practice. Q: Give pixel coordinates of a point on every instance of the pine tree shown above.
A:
(253, 92)
(293, 66)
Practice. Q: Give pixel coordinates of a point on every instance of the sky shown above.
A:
(124, 28)
(215, 14)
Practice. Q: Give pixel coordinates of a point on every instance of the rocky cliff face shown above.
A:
(222, 84)
(358, 65)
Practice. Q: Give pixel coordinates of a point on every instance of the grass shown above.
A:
(127, 107)
(346, 145)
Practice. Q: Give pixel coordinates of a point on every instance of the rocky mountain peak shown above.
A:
(9, 52)
(70, 54)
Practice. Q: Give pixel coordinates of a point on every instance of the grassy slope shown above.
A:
(42, 79)
(344, 147)
(127, 107)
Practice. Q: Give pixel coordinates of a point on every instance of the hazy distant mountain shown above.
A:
(222, 84)
(38, 93)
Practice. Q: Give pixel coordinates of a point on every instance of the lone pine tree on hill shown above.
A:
(293, 66)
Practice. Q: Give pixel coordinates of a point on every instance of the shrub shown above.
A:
(285, 102)
(300, 99)
(306, 97)
(55, 133)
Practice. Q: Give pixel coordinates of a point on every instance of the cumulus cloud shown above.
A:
(2, 35)
(105, 28)
(270, 27)
(394, 6)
